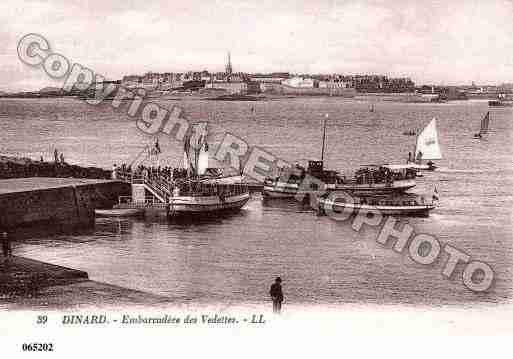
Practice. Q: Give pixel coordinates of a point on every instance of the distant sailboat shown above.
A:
(427, 147)
(485, 123)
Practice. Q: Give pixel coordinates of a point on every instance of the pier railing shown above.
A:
(128, 201)
(158, 185)
(164, 188)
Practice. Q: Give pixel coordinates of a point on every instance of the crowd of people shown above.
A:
(21, 168)
(175, 179)
(125, 171)
(381, 175)
(363, 175)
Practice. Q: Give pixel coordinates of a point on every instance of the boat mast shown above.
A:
(415, 149)
(324, 137)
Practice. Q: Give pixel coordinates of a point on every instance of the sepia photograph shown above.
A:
(278, 176)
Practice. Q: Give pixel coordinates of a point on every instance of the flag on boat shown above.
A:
(428, 146)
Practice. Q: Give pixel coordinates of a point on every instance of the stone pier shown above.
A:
(55, 201)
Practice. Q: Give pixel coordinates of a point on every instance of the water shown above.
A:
(234, 259)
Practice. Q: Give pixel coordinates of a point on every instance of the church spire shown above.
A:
(229, 65)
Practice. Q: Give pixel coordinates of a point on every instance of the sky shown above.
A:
(434, 42)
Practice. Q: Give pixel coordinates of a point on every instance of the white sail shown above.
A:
(428, 146)
(203, 159)
(185, 161)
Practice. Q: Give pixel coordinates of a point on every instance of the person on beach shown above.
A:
(276, 295)
(62, 158)
(56, 156)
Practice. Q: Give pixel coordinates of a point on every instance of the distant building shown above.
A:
(253, 87)
(300, 82)
(270, 78)
(131, 81)
(336, 84)
(232, 87)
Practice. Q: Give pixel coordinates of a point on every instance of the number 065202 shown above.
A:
(37, 347)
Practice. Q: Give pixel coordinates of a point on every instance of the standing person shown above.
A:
(6, 245)
(56, 156)
(62, 158)
(276, 295)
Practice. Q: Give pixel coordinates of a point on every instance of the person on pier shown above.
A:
(6, 245)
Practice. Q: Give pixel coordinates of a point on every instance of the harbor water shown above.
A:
(233, 259)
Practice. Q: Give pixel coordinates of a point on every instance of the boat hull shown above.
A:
(414, 210)
(285, 190)
(184, 205)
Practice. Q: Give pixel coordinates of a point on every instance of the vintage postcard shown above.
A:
(201, 177)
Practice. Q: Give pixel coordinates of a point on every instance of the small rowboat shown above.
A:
(119, 212)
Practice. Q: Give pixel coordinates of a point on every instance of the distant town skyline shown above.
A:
(455, 42)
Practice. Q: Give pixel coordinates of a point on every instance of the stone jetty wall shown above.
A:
(61, 205)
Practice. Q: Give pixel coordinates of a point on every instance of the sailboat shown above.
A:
(485, 123)
(367, 180)
(427, 147)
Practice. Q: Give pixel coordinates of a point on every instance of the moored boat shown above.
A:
(370, 179)
(197, 190)
(119, 212)
(497, 103)
(367, 180)
(196, 198)
(416, 206)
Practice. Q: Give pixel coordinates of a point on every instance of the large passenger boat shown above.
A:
(197, 189)
(367, 180)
